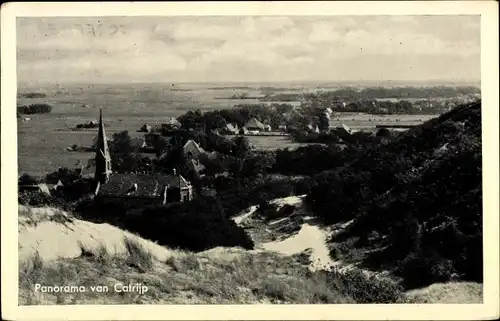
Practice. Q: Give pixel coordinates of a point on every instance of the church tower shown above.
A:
(102, 157)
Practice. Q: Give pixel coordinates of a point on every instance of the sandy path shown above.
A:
(309, 237)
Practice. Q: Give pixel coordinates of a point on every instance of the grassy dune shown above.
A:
(184, 279)
(57, 249)
(85, 254)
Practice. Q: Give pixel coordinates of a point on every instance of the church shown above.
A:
(139, 189)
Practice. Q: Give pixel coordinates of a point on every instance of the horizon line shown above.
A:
(439, 81)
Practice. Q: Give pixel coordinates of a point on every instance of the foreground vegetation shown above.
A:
(220, 276)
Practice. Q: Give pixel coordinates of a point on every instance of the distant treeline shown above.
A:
(396, 92)
(31, 95)
(353, 94)
(34, 109)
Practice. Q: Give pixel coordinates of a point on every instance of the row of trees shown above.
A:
(31, 95)
(274, 115)
(34, 109)
(406, 92)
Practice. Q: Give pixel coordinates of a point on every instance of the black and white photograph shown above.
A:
(273, 159)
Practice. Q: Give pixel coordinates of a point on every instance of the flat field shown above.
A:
(42, 141)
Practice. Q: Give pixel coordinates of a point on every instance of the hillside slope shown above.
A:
(416, 202)
(57, 249)
(286, 227)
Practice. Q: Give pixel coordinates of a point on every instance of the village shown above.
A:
(158, 142)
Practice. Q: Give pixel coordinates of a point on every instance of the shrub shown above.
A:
(367, 289)
(40, 199)
(26, 179)
(419, 270)
(197, 225)
(383, 132)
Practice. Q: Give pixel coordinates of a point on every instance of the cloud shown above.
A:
(240, 48)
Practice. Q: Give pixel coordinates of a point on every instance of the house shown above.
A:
(171, 124)
(244, 131)
(314, 129)
(41, 187)
(230, 129)
(193, 150)
(254, 125)
(282, 128)
(145, 128)
(147, 189)
(346, 130)
(196, 167)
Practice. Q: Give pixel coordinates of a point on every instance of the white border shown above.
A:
(489, 70)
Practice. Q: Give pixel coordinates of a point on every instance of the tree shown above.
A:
(64, 174)
(26, 179)
(324, 122)
(383, 132)
(242, 147)
(124, 156)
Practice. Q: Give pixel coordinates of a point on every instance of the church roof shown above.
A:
(147, 185)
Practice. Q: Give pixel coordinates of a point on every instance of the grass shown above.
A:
(30, 216)
(218, 276)
(138, 256)
(239, 277)
(187, 278)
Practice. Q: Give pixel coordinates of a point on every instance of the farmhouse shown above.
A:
(282, 128)
(344, 130)
(314, 129)
(255, 125)
(230, 129)
(138, 188)
(193, 150)
(244, 131)
(171, 124)
(41, 187)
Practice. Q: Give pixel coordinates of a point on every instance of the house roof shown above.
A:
(197, 166)
(254, 123)
(147, 185)
(192, 147)
(231, 127)
(172, 121)
(176, 181)
(347, 129)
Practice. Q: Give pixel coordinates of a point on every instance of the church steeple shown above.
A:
(102, 157)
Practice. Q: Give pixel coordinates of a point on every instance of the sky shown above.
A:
(248, 49)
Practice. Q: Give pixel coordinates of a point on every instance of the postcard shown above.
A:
(250, 160)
